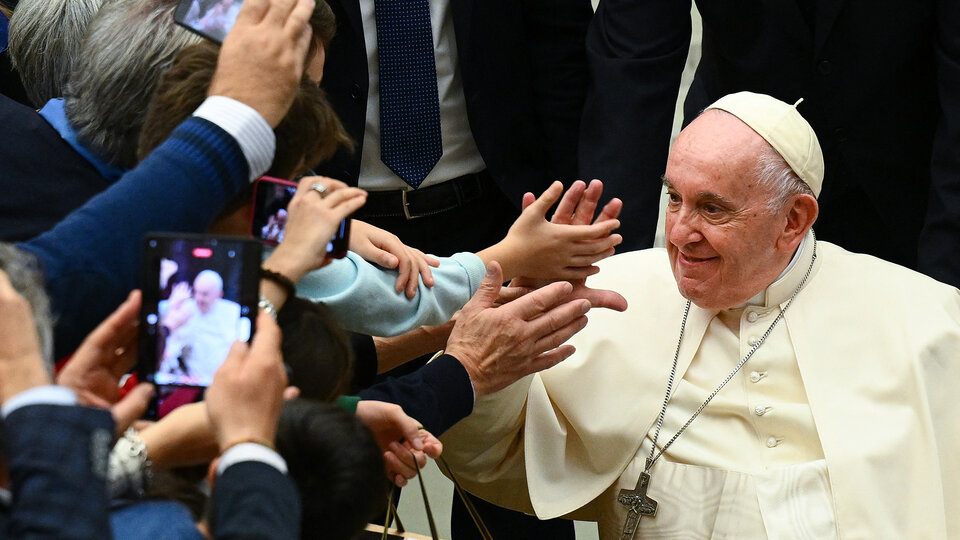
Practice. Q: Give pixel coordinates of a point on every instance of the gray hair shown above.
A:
(44, 42)
(128, 46)
(774, 173)
(211, 276)
(24, 273)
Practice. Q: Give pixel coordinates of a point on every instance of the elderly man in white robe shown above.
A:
(762, 384)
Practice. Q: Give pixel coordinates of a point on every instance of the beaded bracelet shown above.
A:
(283, 281)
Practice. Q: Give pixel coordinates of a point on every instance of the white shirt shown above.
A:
(460, 154)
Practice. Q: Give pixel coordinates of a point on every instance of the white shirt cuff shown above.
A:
(246, 126)
(251, 452)
(40, 395)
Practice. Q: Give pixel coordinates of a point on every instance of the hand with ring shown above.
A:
(311, 223)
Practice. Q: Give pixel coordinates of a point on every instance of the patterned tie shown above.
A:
(409, 107)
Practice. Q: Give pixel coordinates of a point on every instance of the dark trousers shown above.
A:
(472, 226)
(505, 524)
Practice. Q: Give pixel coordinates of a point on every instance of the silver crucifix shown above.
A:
(638, 503)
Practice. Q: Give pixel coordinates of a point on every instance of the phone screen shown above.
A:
(212, 19)
(200, 295)
(271, 196)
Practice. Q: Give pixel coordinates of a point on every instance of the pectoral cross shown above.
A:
(638, 503)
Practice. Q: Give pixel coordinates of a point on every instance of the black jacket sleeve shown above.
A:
(439, 394)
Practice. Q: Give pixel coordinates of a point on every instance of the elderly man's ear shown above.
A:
(801, 212)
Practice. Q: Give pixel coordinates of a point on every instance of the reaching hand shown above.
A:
(21, 359)
(537, 248)
(110, 351)
(178, 310)
(399, 437)
(168, 267)
(247, 392)
(263, 57)
(312, 220)
(499, 345)
(385, 249)
(579, 204)
(577, 208)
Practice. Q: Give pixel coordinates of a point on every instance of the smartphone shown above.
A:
(271, 196)
(212, 19)
(200, 294)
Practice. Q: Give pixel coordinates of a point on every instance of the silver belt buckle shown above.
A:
(406, 205)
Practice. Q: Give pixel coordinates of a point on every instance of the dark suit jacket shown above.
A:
(254, 500)
(524, 78)
(869, 73)
(57, 459)
(42, 178)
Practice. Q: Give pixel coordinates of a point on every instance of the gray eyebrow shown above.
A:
(701, 195)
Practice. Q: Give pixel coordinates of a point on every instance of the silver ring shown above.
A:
(321, 189)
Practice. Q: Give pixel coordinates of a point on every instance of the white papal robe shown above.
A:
(871, 442)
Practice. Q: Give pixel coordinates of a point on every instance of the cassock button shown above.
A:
(772, 442)
(759, 410)
(755, 376)
(753, 316)
(752, 341)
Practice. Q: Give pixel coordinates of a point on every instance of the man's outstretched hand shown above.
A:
(498, 345)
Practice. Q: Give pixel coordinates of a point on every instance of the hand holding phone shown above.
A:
(246, 395)
(212, 19)
(271, 199)
(269, 42)
(311, 221)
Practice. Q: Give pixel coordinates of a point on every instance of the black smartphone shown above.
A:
(200, 294)
(271, 196)
(212, 19)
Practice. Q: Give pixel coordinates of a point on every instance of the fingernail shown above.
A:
(585, 306)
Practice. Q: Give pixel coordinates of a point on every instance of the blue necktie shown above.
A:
(409, 107)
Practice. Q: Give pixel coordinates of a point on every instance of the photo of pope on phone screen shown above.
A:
(201, 304)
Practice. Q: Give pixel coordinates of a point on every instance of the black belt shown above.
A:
(428, 200)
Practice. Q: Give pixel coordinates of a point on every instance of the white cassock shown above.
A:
(209, 337)
(843, 424)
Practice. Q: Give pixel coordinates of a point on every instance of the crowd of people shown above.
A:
(751, 379)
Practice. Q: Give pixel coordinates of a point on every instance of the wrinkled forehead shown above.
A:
(720, 135)
(715, 149)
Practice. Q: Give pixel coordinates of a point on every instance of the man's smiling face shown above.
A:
(721, 235)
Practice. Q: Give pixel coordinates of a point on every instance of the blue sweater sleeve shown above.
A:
(91, 259)
(363, 298)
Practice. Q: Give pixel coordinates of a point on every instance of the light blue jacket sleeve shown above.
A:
(362, 295)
